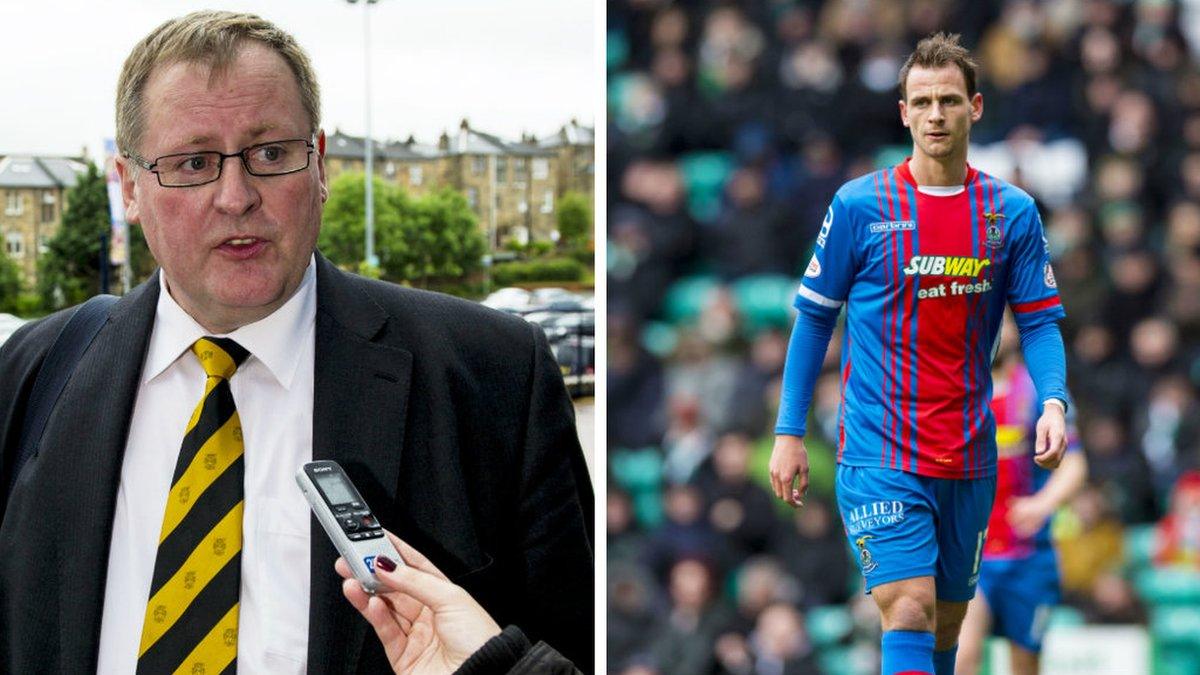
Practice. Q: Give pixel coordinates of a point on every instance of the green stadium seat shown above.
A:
(1177, 661)
(844, 661)
(686, 297)
(765, 301)
(1065, 617)
(704, 175)
(659, 338)
(1170, 586)
(1139, 546)
(639, 472)
(828, 625)
(1176, 627)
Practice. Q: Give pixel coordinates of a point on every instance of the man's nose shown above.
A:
(236, 191)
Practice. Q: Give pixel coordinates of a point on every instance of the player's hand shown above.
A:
(789, 469)
(1051, 441)
(426, 623)
(1026, 515)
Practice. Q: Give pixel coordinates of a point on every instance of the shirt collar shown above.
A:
(275, 340)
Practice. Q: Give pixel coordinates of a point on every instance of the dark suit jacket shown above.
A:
(451, 419)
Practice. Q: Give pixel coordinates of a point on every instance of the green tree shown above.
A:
(10, 284)
(69, 271)
(421, 241)
(441, 240)
(574, 216)
(343, 225)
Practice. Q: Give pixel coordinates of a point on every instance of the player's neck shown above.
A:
(933, 172)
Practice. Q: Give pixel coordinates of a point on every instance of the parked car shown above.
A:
(510, 299)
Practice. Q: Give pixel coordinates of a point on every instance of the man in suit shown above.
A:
(451, 419)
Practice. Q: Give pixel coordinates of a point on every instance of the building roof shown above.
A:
(570, 134)
(470, 141)
(29, 171)
(467, 141)
(340, 144)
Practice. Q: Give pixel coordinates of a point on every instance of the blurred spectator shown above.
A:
(684, 646)
(633, 615)
(1112, 600)
(1177, 537)
(685, 533)
(813, 548)
(738, 508)
(1090, 544)
(625, 539)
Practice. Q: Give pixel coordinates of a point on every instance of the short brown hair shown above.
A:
(213, 38)
(936, 51)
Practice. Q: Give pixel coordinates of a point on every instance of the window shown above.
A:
(15, 204)
(14, 244)
(472, 197)
(48, 207)
(478, 166)
(390, 169)
(548, 202)
(43, 243)
(501, 169)
(523, 206)
(541, 169)
(519, 167)
(415, 175)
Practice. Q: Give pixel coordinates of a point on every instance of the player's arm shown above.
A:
(819, 299)
(806, 353)
(1033, 296)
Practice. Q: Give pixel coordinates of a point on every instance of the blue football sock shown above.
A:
(943, 662)
(907, 652)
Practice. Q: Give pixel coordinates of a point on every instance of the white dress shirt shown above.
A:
(273, 391)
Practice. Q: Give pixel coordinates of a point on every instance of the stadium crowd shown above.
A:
(731, 124)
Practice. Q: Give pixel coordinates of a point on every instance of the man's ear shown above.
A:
(976, 107)
(126, 172)
(903, 113)
(321, 166)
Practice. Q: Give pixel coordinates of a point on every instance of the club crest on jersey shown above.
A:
(892, 226)
(864, 555)
(1049, 276)
(814, 268)
(993, 238)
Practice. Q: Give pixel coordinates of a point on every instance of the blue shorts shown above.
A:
(901, 525)
(1021, 593)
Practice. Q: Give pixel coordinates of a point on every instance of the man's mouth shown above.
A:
(242, 247)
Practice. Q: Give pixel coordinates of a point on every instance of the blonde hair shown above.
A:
(213, 38)
(936, 51)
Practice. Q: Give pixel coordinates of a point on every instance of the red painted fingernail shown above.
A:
(385, 563)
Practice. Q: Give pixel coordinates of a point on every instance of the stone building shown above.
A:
(512, 186)
(33, 192)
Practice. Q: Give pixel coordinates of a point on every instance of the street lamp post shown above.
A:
(368, 150)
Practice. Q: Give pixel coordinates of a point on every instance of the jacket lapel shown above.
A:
(360, 399)
(92, 418)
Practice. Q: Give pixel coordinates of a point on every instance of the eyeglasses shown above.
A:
(189, 169)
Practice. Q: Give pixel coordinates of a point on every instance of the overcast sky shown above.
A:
(509, 66)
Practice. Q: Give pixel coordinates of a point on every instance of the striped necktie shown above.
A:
(192, 616)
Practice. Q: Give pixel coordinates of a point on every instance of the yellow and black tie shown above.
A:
(191, 623)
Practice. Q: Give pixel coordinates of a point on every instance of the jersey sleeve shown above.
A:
(1032, 290)
(827, 278)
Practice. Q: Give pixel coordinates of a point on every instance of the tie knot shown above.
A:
(220, 357)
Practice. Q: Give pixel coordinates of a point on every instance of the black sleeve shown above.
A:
(510, 653)
(554, 514)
